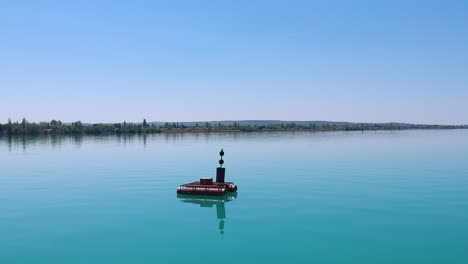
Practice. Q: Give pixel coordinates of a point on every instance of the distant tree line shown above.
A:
(57, 127)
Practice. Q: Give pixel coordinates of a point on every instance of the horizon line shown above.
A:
(236, 120)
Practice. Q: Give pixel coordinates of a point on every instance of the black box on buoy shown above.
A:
(220, 174)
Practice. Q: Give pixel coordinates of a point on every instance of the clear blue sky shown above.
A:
(109, 61)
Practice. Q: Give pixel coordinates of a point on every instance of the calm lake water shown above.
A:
(335, 197)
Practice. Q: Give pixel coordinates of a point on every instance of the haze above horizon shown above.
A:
(108, 61)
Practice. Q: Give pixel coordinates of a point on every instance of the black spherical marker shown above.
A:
(220, 171)
(221, 161)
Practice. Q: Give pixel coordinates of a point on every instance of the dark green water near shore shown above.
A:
(333, 197)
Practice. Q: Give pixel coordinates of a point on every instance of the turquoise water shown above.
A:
(337, 197)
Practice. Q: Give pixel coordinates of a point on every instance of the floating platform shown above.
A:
(206, 186)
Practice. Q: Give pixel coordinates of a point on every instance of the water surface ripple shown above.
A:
(335, 197)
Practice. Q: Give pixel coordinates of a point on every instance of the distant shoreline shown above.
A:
(76, 128)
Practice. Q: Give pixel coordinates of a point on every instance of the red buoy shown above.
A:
(206, 186)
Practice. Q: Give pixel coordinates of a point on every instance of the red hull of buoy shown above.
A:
(197, 188)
